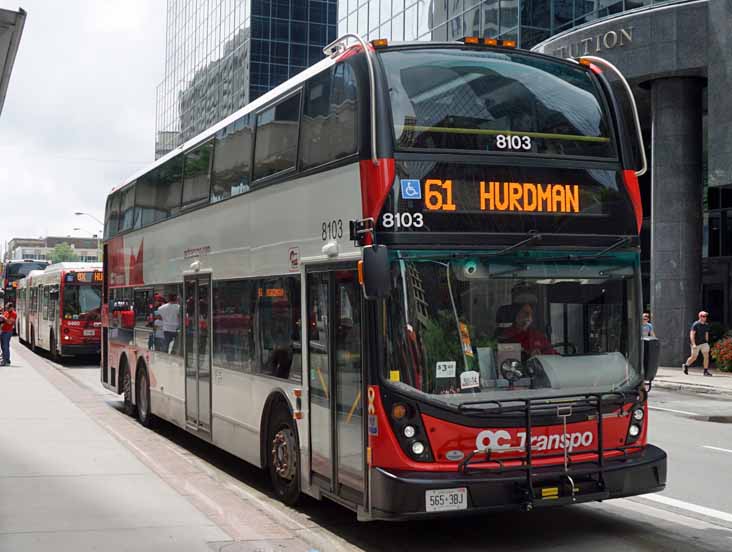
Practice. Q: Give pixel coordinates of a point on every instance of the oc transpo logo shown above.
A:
(501, 440)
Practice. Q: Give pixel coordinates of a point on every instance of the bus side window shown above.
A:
(111, 216)
(196, 176)
(127, 209)
(232, 160)
(52, 302)
(275, 146)
(233, 324)
(329, 117)
(278, 327)
(44, 303)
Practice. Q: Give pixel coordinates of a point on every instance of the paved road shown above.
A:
(694, 513)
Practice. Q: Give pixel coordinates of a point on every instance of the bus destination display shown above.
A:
(85, 277)
(500, 196)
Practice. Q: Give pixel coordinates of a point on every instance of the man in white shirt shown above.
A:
(170, 315)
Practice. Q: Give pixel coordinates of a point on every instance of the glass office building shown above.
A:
(222, 54)
(526, 21)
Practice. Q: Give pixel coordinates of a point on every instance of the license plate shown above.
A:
(443, 500)
(89, 332)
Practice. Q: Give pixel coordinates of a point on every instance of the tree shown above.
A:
(63, 252)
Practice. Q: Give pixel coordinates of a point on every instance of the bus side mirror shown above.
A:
(651, 351)
(376, 272)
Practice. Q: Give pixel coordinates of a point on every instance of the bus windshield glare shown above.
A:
(82, 301)
(469, 327)
(466, 99)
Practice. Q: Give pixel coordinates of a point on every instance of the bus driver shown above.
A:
(533, 342)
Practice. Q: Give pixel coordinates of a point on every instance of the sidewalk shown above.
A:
(76, 475)
(674, 378)
(66, 484)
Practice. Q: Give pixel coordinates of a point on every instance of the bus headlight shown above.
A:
(418, 448)
(638, 414)
(410, 432)
(634, 430)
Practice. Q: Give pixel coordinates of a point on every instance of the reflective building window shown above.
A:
(222, 54)
(529, 22)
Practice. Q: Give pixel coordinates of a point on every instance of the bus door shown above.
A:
(336, 382)
(197, 315)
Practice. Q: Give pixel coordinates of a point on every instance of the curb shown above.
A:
(692, 388)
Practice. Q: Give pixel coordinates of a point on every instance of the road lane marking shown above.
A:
(716, 448)
(635, 507)
(689, 507)
(672, 410)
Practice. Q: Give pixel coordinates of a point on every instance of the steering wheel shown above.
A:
(512, 369)
(569, 347)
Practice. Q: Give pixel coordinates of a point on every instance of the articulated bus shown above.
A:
(13, 271)
(59, 309)
(406, 280)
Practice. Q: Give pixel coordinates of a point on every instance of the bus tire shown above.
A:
(283, 456)
(129, 406)
(53, 348)
(33, 340)
(142, 385)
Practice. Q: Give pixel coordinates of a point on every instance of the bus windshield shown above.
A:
(16, 271)
(467, 99)
(468, 327)
(82, 301)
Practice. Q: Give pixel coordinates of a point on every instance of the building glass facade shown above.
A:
(526, 21)
(222, 54)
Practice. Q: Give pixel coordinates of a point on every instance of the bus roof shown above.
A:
(58, 267)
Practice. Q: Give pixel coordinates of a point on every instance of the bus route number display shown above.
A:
(501, 196)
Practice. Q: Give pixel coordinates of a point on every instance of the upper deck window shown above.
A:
(196, 175)
(275, 148)
(127, 209)
(463, 99)
(232, 160)
(329, 117)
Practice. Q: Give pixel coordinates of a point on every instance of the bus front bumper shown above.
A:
(82, 349)
(397, 495)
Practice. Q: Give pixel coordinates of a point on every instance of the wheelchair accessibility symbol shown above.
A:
(411, 189)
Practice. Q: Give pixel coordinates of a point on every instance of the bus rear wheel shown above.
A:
(129, 406)
(144, 415)
(283, 457)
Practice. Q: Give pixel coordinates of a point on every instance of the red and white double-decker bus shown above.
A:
(59, 309)
(406, 280)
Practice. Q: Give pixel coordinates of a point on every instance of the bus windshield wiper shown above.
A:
(597, 255)
(532, 236)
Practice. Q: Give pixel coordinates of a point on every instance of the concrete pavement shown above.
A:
(673, 378)
(76, 474)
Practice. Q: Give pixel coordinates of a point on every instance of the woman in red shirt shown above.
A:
(6, 331)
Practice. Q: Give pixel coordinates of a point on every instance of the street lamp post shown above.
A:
(79, 213)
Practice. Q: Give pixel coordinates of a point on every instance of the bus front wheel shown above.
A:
(54, 350)
(283, 457)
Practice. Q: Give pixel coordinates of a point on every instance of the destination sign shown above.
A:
(502, 196)
(441, 202)
(85, 277)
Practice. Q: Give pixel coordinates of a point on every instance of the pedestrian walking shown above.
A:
(7, 319)
(646, 326)
(699, 338)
